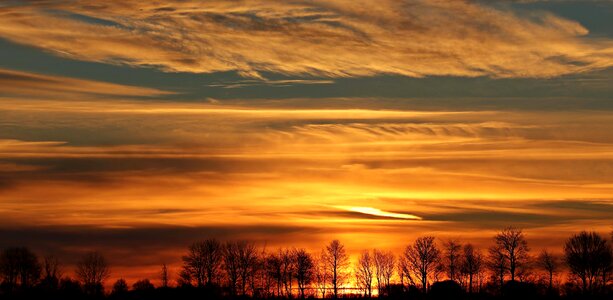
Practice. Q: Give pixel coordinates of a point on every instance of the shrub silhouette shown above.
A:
(448, 289)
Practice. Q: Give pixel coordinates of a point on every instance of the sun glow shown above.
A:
(380, 213)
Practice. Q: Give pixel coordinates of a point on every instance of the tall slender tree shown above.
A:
(364, 272)
(164, 276)
(549, 263)
(322, 273)
(274, 269)
(452, 251)
(288, 269)
(384, 270)
(471, 264)
(337, 261)
(248, 258)
(304, 270)
(497, 263)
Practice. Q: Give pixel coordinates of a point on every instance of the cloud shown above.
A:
(27, 84)
(272, 83)
(333, 38)
(531, 1)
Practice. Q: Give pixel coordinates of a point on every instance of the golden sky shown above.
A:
(140, 126)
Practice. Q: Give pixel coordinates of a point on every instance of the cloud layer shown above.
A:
(335, 38)
(87, 164)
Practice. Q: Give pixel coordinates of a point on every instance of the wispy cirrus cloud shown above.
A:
(334, 38)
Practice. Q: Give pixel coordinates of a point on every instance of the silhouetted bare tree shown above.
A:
(322, 273)
(92, 271)
(422, 259)
(512, 243)
(259, 284)
(470, 264)
(232, 265)
(497, 263)
(364, 273)
(248, 261)
(164, 276)
(589, 258)
(337, 261)
(19, 267)
(52, 272)
(203, 261)
(288, 268)
(304, 270)
(452, 250)
(266, 280)
(240, 259)
(384, 269)
(404, 272)
(549, 263)
(274, 270)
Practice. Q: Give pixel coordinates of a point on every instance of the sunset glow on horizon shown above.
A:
(137, 127)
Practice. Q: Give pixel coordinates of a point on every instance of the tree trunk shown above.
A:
(550, 281)
(470, 283)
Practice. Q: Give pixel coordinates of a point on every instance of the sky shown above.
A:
(137, 127)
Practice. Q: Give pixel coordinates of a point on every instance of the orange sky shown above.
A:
(300, 177)
(134, 130)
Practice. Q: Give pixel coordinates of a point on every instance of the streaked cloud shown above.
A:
(318, 157)
(334, 38)
(266, 82)
(32, 85)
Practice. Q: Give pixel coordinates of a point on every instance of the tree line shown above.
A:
(427, 268)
